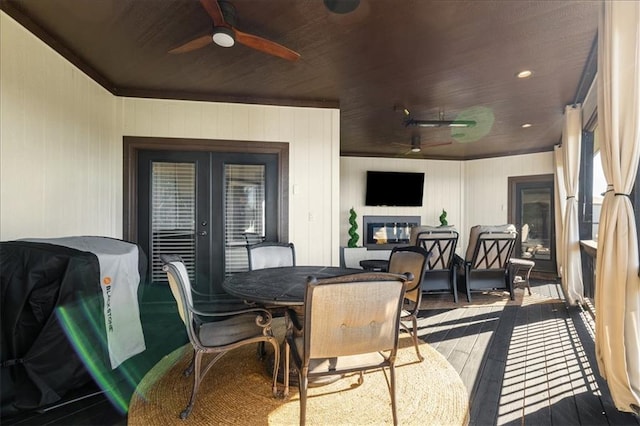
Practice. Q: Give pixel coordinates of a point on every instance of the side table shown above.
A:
(521, 269)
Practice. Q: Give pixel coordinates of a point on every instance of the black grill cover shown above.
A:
(39, 363)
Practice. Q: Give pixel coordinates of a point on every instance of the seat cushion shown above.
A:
(323, 366)
(425, 228)
(229, 331)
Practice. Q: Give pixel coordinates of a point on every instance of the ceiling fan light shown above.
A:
(461, 124)
(223, 37)
(415, 143)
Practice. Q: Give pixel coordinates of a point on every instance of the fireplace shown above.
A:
(386, 232)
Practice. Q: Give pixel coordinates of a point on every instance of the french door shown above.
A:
(199, 205)
(531, 210)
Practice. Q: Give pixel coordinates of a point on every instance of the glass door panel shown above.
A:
(173, 223)
(536, 222)
(244, 211)
(531, 210)
(199, 205)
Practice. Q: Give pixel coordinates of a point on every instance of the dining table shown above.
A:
(282, 287)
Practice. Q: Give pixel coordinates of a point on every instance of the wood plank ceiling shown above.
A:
(438, 59)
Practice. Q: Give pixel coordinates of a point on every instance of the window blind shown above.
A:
(173, 201)
(244, 200)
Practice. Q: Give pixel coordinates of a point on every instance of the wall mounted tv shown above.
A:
(394, 189)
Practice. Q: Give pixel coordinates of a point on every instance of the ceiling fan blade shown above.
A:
(193, 44)
(213, 9)
(431, 145)
(265, 46)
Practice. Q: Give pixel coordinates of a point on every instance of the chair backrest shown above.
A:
(490, 247)
(412, 260)
(271, 255)
(180, 285)
(441, 242)
(352, 314)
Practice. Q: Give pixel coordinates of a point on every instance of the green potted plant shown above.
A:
(353, 229)
(352, 254)
(443, 218)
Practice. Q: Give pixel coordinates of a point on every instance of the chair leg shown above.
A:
(454, 285)
(392, 391)
(466, 281)
(197, 358)
(261, 350)
(414, 334)
(276, 365)
(187, 371)
(286, 368)
(509, 284)
(304, 383)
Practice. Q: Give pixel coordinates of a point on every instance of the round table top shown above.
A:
(279, 286)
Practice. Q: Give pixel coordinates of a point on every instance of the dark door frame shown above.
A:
(514, 181)
(133, 144)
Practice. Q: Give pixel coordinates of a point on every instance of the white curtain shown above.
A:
(571, 263)
(617, 283)
(560, 195)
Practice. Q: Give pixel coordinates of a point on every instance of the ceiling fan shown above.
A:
(225, 34)
(440, 122)
(417, 146)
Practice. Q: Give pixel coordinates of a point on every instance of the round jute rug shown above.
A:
(237, 391)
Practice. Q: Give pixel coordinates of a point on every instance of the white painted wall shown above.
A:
(486, 187)
(443, 187)
(313, 135)
(472, 192)
(61, 149)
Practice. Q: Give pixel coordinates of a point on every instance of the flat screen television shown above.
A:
(394, 189)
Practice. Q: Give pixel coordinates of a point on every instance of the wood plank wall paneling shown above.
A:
(310, 133)
(442, 190)
(57, 154)
(486, 187)
(472, 192)
(61, 151)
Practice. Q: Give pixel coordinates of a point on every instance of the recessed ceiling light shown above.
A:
(526, 125)
(524, 74)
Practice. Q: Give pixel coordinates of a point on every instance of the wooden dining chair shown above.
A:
(410, 260)
(351, 324)
(229, 330)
